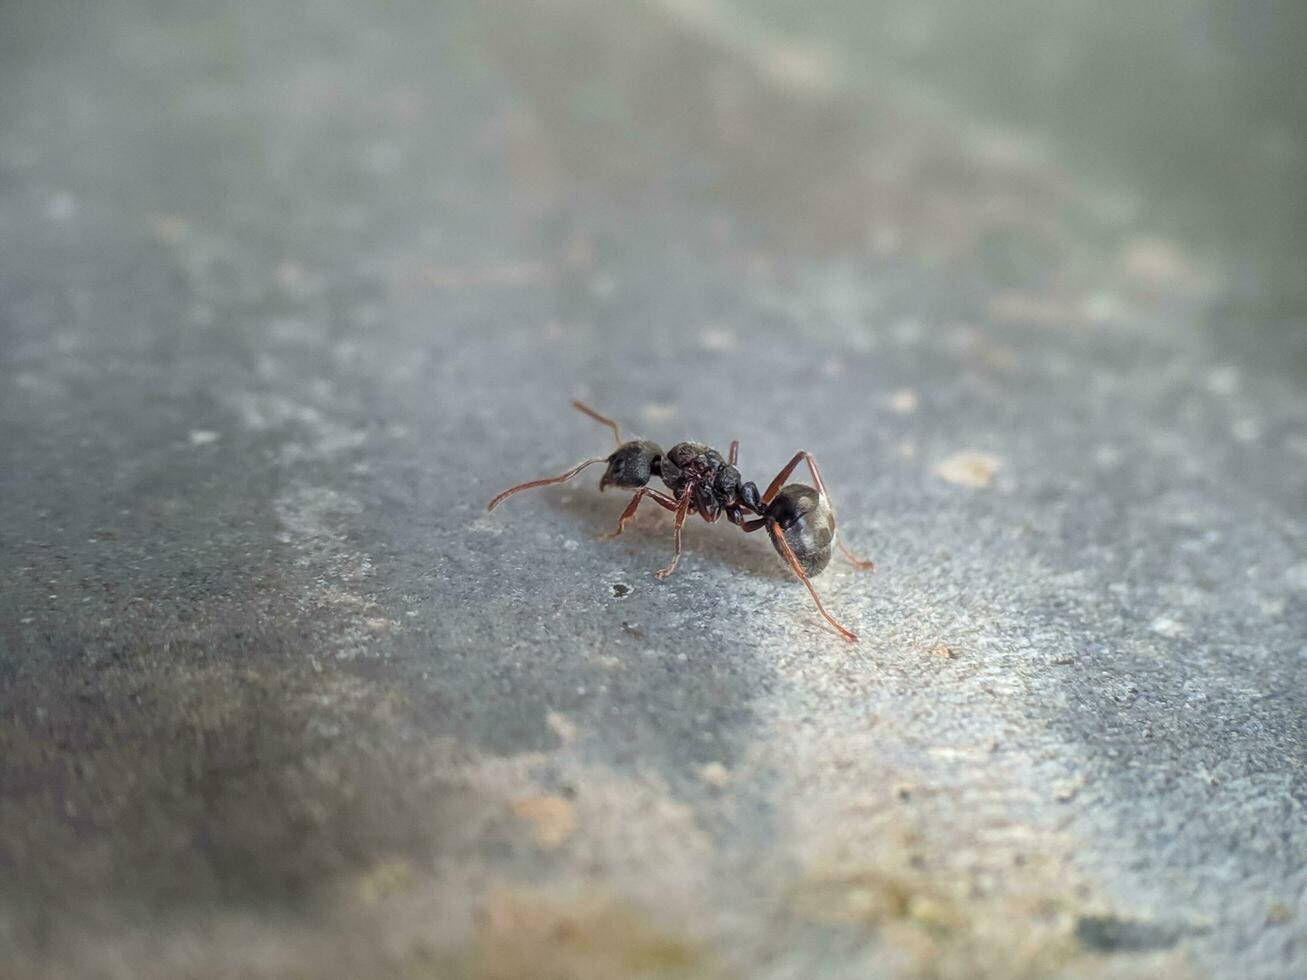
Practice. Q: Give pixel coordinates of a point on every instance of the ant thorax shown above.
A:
(690, 462)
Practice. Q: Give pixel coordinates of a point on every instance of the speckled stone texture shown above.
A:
(289, 291)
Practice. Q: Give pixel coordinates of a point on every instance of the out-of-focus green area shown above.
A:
(1200, 104)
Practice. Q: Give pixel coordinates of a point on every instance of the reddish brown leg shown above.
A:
(547, 482)
(775, 487)
(861, 564)
(784, 474)
(661, 499)
(793, 562)
(603, 420)
(682, 509)
(735, 452)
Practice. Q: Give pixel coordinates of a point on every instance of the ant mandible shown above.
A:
(799, 519)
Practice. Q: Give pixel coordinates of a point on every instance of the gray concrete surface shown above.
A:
(289, 291)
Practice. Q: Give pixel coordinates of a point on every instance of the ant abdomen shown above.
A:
(805, 519)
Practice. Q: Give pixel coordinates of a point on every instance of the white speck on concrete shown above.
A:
(1223, 380)
(717, 339)
(1107, 455)
(1166, 626)
(968, 469)
(657, 413)
(904, 401)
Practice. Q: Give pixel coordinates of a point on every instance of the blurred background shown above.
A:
(288, 291)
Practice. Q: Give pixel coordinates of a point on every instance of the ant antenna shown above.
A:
(547, 482)
(550, 481)
(587, 410)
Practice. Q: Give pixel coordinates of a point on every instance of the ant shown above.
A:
(799, 519)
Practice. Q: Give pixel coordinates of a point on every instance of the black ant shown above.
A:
(799, 520)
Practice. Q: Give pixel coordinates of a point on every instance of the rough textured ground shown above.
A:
(289, 291)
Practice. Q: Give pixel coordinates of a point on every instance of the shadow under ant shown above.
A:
(599, 514)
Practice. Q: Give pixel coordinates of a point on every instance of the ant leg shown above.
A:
(547, 482)
(735, 452)
(775, 487)
(587, 410)
(784, 474)
(793, 562)
(861, 564)
(682, 509)
(664, 501)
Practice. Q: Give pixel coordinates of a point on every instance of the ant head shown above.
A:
(632, 465)
(804, 518)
